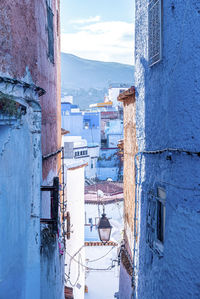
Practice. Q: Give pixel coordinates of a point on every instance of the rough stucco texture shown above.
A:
(20, 173)
(168, 116)
(23, 55)
(125, 289)
(130, 149)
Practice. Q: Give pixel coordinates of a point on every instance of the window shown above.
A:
(161, 196)
(76, 154)
(86, 125)
(155, 223)
(154, 31)
(92, 164)
(50, 31)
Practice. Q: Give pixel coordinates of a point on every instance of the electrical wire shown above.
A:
(91, 261)
(89, 268)
(69, 270)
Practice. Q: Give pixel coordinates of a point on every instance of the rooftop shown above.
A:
(104, 193)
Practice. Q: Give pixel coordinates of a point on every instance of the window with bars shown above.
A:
(154, 31)
(50, 204)
(155, 222)
(50, 31)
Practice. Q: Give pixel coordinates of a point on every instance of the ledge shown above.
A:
(40, 91)
(124, 96)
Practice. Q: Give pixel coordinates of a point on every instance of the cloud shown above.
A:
(86, 21)
(106, 41)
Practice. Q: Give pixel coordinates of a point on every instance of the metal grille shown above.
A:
(50, 33)
(151, 221)
(155, 220)
(154, 31)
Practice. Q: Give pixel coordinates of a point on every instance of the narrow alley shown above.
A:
(99, 149)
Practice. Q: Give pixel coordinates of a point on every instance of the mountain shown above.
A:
(88, 80)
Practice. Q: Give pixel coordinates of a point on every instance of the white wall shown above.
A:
(113, 94)
(93, 153)
(75, 246)
(102, 284)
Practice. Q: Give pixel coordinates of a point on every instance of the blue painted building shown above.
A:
(167, 79)
(109, 164)
(92, 127)
(20, 180)
(72, 119)
(86, 124)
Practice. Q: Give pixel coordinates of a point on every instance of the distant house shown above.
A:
(85, 125)
(114, 91)
(81, 123)
(76, 148)
(109, 165)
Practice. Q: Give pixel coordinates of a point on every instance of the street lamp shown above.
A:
(104, 228)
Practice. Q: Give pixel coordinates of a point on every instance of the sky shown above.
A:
(98, 29)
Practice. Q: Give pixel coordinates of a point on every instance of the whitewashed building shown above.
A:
(114, 91)
(76, 148)
(74, 211)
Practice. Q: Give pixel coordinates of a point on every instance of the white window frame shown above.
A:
(153, 31)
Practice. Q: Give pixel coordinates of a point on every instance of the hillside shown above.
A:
(88, 80)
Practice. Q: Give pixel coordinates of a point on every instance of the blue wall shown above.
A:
(20, 178)
(108, 164)
(125, 287)
(75, 123)
(167, 116)
(93, 133)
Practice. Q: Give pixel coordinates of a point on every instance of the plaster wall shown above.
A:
(103, 173)
(73, 123)
(20, 179)
(92, 135)
(130, 149)
(91, 169)
(24, 48)
(101, 283)
(125, 289)
(167, 116)
(108, 164)
(75, 252)
(52, 271)
(24, 56)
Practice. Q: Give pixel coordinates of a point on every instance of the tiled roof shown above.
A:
(111, 192)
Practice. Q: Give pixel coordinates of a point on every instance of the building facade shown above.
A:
(167, 77)
(30, 129)
(129, 151)
(81, 123)
(75, 253)
(76, 148)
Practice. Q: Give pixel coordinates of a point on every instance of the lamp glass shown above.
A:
(104, 234)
